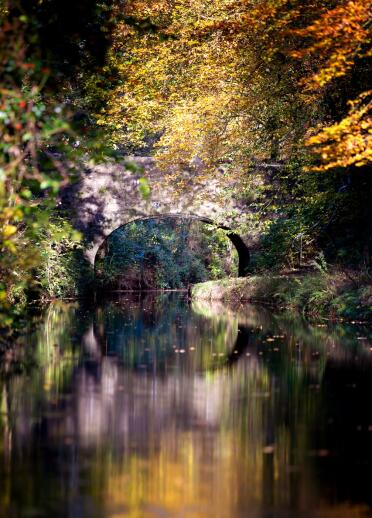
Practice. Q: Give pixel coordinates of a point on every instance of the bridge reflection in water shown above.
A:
(150, 407)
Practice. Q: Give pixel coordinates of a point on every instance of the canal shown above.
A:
(148, 405)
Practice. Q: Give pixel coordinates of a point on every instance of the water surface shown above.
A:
(147, 406)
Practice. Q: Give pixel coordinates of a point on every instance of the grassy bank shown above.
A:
(331, 295)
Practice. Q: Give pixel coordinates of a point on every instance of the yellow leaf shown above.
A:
(8, 231)
(10, 246)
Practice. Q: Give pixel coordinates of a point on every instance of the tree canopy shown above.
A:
(227, 84)
(234, 80)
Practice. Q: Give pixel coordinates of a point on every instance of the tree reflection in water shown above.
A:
(148, 407)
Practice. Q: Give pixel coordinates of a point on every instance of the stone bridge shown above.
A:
(110, 195)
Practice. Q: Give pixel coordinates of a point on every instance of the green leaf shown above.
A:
(144, 188)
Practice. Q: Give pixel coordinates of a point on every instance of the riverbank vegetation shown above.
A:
(335, 296)
(274, 95)
(167, 254)
(39, 151)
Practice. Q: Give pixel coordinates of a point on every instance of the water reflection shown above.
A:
(147, 407)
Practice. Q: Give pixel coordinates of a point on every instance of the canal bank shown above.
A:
(337, 295)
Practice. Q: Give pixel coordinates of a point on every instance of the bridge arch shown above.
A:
(108, 195)
(236, 240)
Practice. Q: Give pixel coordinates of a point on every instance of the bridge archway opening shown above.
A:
(191, 247)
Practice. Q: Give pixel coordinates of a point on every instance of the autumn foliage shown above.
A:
(229, 81)
(348, 142)
(212, 86)
(339, 38)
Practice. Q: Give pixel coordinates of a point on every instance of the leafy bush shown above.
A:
(164, 254)
(61, 261)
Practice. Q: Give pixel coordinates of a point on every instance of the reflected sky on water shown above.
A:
(149, 406)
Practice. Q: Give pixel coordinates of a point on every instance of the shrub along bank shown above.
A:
(335, 295)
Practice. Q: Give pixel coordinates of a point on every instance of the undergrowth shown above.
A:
(337, 294)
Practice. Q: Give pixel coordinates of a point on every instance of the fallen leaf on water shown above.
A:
(268, 449)
(320, 453)
(323, 453)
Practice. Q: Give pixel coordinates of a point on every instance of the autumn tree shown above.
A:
(229, 81)
(203, 79)
(42, 63)
(339, 39)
